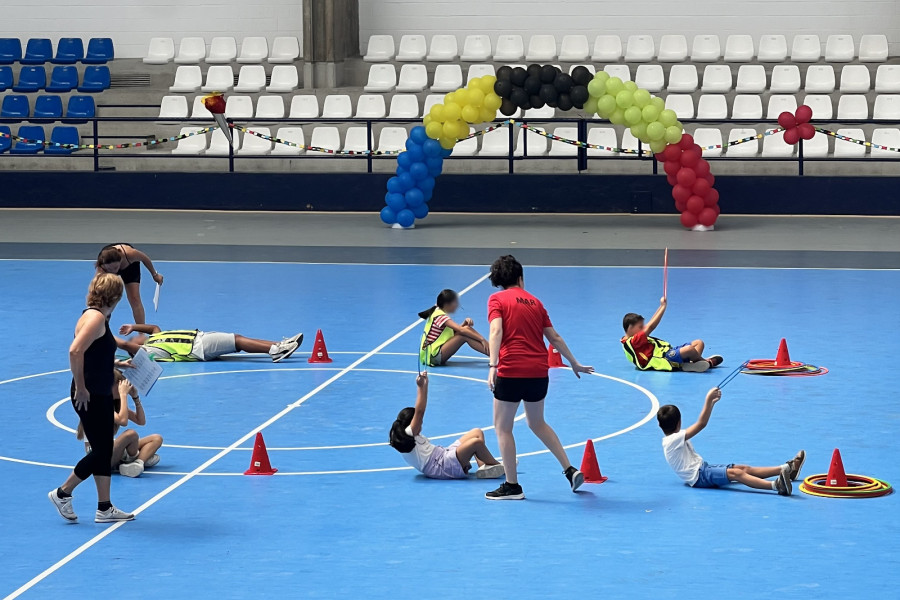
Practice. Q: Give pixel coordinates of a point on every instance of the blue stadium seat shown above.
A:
(80, 107)
(63, 79)
(99, 51)
(10, 50)
(48, 107)
(63, 135)
(37, 51)
(35, 134)
(96, 79)
(6, 78)
(69, 51)
(31, 79)
(5, 140)
(15, 107)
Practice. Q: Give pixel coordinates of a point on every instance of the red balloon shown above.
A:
(671, 167)
(672, 152)
(680, 206)
(690, 158)
(672, 180)
(687, 141)
(707, 217)
(710, 178)
(660, 156)
(792, 136)
(806, 131)
(688, 219)
(686, 177)
(803, 114)
(681, 193)
(712, 197)
(701, 187)
(702, 168)
(697, 147)
(718, 210)
(787, 120)
(695, 204)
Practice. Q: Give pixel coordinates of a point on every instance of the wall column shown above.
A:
(330, 35)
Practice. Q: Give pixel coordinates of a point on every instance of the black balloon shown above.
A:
(507, 107)
(536, 102)
(581, 75)
(504, 73)
(579, 95)
(532, 85)
(519, 97)
(534, 70)
(548, 93)
(519, 75)
(563, 83)
(548, 73)
(564, 102)
(503, 88)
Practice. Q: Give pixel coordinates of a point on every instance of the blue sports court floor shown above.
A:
(344, 518)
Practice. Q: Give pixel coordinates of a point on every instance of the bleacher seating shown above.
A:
(337, 106)
(805, 48)
(191, 51)
(509, 48)
(683, 79)
(81, 107)
(239, 107)
(380, 48)
(393, 139)
(745, 149)
(188, 78)
(623, 72)
(48, 107)
(650, 78)
(254, 145)
(751, 79)
(873, 48)
(887, 106)
(254, 50)
(198, 109)
(15, 106)
(404, 106)
(355, 140)
(855, 79)
(712, 106)
(161, 51)
(706, 48)
(853, 106)
(63, 79)
(477, 48)
(682, 104)
(476, 71)
(195, 144)
(640, 48)
(173, 107)
(843, 149)
(412, 48)
(326, 137)
(785, 79)
(382, 78)
(746, 106)
(558, 148)
(269, 107)
(716, 79)
(5, 139)
(774, 146)
(31, 79)
(607, 48)
(37, 51)
(413, 78)
(285, 50)
(820, 105)
(99, 51)
(370, 106)
(443, 48)
(541, 49)
(284, 79)
(839, 48)
(6, 78)
(10, 50)
(63, 134)
(887, 79)
(672, 48)
(219, 78)
(222, 51)
(95, 79)
(219, 146)
(447, 78)
(706, 137)
(772, 48)
(32, 140)
(69, 51)
(602, 136)
(251, 78)
(739, 48)
(820, 79)
(305, 106)
(289, 134)
(885, 136)
(779, 103)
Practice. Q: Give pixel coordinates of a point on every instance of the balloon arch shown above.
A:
(620, 102)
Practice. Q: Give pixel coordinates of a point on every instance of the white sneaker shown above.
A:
(112, 515)
(298, 339)
(151, 462)
(696, 367)
(490, 472)
(282, 350)
(63, 505)
(132, 469)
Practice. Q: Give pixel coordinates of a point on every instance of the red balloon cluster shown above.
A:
(797, 125)
(692, 183)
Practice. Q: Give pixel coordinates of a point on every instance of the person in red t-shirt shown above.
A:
(518, 361)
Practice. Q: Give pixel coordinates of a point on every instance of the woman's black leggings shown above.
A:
(98, 423)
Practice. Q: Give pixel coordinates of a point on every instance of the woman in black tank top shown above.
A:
(92, 357)
(125, 260)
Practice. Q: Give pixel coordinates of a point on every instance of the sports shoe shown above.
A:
(112, 515)
(63, 505)
(490, 472)
(151, 462)
(297, 338)
(783, 483)
(796, 464)
(132, 469)
(282, 350)
(696, 367)
(575, 477)
(507, 491)
(715, 360)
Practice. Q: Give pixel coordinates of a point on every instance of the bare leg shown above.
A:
(479, 347)
(102, 488)
(504, 419)
(245, 344)
(133, 292)
(127, 441)
(692, 352)
(71, 483)
(534, 414)
(472, 444)
(739, 474)
(451, 347)
(149, 446)
(763, 472)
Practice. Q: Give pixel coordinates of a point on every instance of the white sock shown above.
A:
(774, 487)
(273, 349)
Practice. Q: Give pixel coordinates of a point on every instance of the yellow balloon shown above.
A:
(434, 130)
(476, 98)
(614, 85)
(617, 117)
(602, 76)
(450, 98)
(486, 114)
(492, 101)
(437, 112)
(659, 103)
(673, 134)
(640, 132)
(426, 120)
(462, 97)
(471, 113)
(656, 131)
(462, 130)
(657, 146)
(450, 130)
(630, 86)
(487, 84)
(447, 143)
(451, 112)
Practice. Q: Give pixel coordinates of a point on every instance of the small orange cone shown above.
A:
(259, 463)
(589, 465)
(553, 358)
(319, 351)
(837, 477)
(783, 358)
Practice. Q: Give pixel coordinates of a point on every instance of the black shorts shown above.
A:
(517, 389)
(131, 273)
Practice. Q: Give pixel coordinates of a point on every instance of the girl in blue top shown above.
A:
(443, 337)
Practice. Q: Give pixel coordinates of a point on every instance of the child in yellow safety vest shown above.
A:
(648, 353)
(443, 337)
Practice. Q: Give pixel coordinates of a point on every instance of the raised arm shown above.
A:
(137, 415)
(121, 417)
(147, 328)
(92, 327)
(713, 396)
(421, 403)
(657, 316)
(559, 343)
(141, 256)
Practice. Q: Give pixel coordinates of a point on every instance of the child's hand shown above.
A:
(422, 380)
(714, 395)
(663, 301)
(579, 368)
(468, 322)
(126, 329)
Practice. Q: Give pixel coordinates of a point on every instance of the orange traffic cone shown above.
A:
(837, 477)
(319, 351)
(553, 358)
(589, 465)
(259, 463)
(783, 358)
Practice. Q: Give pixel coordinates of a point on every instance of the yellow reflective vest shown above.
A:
(656, 362)
(427, 352)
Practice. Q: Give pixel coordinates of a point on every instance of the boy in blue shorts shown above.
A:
(648, 353)
(697, 473)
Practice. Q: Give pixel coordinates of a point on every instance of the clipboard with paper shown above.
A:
(144, 373)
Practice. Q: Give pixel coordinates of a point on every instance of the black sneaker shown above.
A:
(575, 477)
(507, 491)
(715, 360)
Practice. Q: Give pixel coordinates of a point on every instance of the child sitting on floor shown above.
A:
(650, 353)
(697, 473)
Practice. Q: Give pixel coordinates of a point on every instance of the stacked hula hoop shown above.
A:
(858, 486)
(759, 366)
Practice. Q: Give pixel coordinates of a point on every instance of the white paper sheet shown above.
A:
(144, 374)
(156, 299)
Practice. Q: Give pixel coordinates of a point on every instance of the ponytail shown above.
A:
(399, 440)
(427, 313)
(443, 299)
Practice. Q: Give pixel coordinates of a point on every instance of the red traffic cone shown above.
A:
(783, 358)
(259, 463)
(319, 351)
(589, 465)
(837, 477)
(553, 358)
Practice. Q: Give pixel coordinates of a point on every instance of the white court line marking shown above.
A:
(202, 467)
(33, 376)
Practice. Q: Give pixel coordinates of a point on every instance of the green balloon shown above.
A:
(641, 98)
(673, 134)
(617, 117)
(630, 86)
(640, 131)
(602, 76)
(632, 115)
(657, 146)
(606, 104)
(614, 85)
(624, 99)
(590, 107)
(650, 113)
(656, 131)
(659, 103)
(596, 87)
(668, 117)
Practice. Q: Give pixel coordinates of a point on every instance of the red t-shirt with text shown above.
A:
(522, 349)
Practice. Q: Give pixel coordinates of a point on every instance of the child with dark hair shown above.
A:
(648, 353)
(697, 473)
(437, 462)
(125, 260)
(443, 337)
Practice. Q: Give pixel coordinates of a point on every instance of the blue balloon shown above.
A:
(426, 185)
(395, 201)
(445, 152)
(435, 166)
(421, 211)
(419, 136)
(427, 194)
(432, 148)
(415, 152)
(404, 160)
(406, 218)
(414, 197)
(394, 185)
(419, 171)
(406, 182)
(388, 215)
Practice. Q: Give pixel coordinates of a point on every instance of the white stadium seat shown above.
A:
(750, 148)
(495, 143)
(640, 48)
(537, 144)
(239, 107)
(602, 136)
(253, 145)
(739, 48)
(574, 48)
(188, 78)
(382, 78)
(817, 147)
(772, 48)
(413, 78)
(805, 48)
(509, 48)
(706, 137)
(392, 139)
(222, 50)
(447, 78)
(284, 79)
(355, 140)
(629, 142)
(854, 106)
(476, 71)
(304, 106)
(682, 104)
(477, 48)
(219, 78)
(561, 148)
(173, 107)
(855, 79)
(370, 106)
(785, 79)
(774, 146)
(219, 146)
(380, 48)
(467, 147)
(444, 48)
(289, 134)
(412, 48)
(706, 48)
(747, 106)
(191, 51)
(819, 79)
(160, 51)
(716, 79)
(535, 114)
(328, 138)
(672, 48)
(607, 48)
(404, 106)
(541, 48)
(712, 106)
(198, 109)
(650, 78)
(683, 79)
(873, 48)
(820, 105)
(887, 106)
(251, 78)
(285, 50)
(337, 106)
(623, 72)
(839, 48)
(843, 149)
(779, 103)
(269, 107)
(751, 79)
(887, 79)
(886, 136)
(194, 144)
(431, 100)
(590, 68)
(254, 50)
